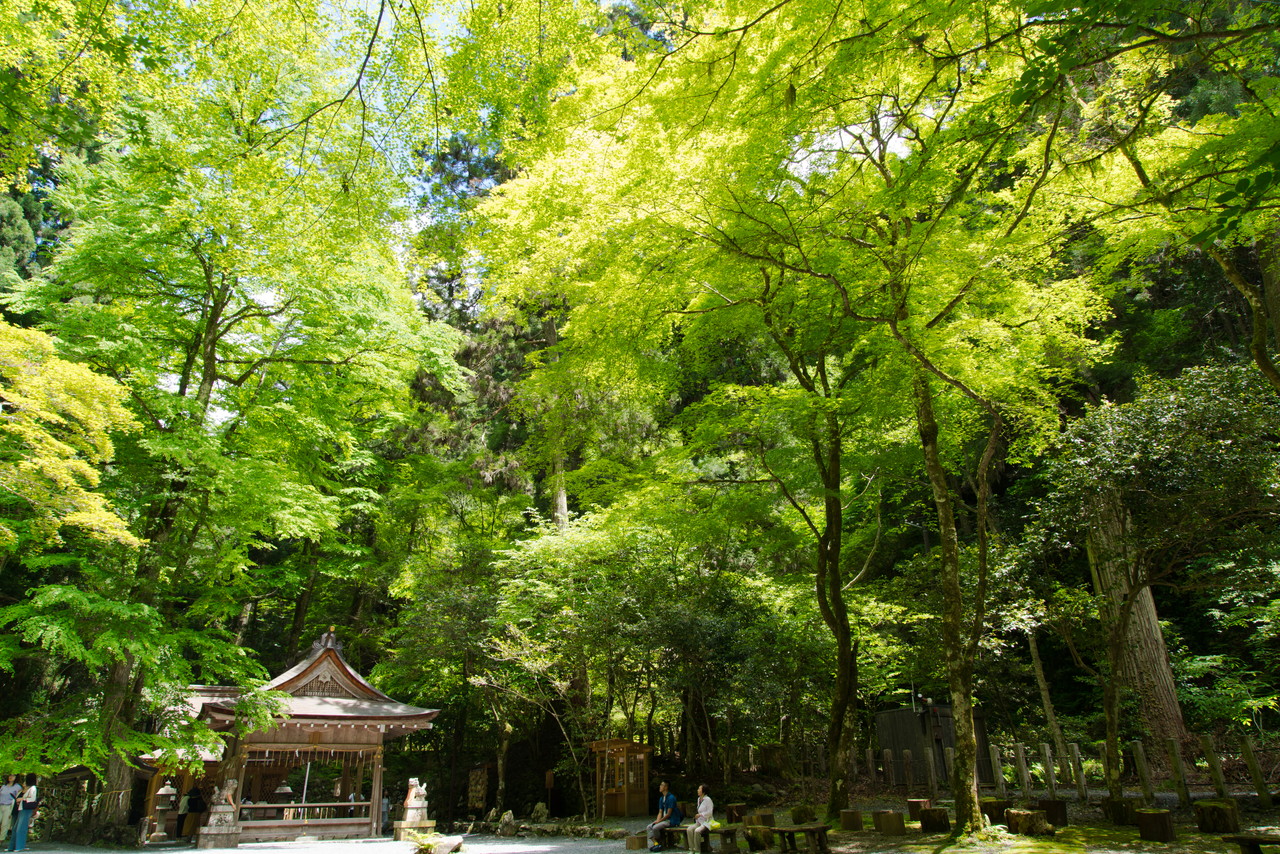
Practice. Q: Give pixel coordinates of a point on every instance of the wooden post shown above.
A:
(1082, 787)
(908, 775)
(931, 773)
(1179, 772)
(375, 795)
(1024, 776)
(871, 765)
(1144, 772)
(997, 772)
(890, 779)
(948, 763)
(1050, 778)
(1255, 771)
(1215, 766)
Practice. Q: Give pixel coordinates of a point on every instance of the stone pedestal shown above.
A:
(222, 831)
(159, 835)
(402, 829)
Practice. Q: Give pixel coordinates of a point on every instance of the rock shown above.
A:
(540, 813)
(507, 826)
(491, 815)
(446, 844)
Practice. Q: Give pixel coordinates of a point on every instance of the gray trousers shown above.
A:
(655, 829)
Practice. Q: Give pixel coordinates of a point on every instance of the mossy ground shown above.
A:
(1075, 839)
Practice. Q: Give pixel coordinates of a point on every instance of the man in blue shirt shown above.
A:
(668, 816)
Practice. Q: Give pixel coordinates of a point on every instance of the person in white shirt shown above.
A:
(8, 794)
(28, 806)
(702, 820)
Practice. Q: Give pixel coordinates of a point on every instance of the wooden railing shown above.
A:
(330, 819)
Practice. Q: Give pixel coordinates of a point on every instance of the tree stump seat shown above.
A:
(1055, 810)
(815, 837)
(1219, 816)
(915, 805)
(1251, 843)
(1155, 825)
(850, 820)
(1028, 822)
(934, 820)
(890, 822)
(757, 830)
(994, 809)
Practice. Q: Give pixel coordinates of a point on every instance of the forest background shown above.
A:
(711, 373)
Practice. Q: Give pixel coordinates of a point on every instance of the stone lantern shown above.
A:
(164, 802)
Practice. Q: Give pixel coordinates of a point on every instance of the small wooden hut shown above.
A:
(332, 715)
(622, 777)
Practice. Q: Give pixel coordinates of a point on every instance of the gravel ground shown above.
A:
(473, 845)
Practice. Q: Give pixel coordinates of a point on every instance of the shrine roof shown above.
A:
(324, 688)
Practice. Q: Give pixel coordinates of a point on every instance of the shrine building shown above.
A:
(331, 716)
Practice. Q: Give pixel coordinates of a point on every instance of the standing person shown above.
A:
(702, 820)
(28, 808)
(184, 807)
(194, 799)
(668, 816)
(9, 793)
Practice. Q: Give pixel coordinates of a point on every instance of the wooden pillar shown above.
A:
(997, 772)
(890, 778)
(931, 772)
(375, 793)
(1179, 772)
(1255, 771)
(1024, 776)
(1050, 779)
(1144, 773)
(1215, 766)
(871, 765)
(908, 772)
(1082, 787)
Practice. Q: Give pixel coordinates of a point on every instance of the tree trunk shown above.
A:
(1050, 717)
(303, 605)
(964, 779)
(1122, 582)
(829, 585)
(504, 746)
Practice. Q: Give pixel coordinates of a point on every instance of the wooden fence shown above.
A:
(1019, 769)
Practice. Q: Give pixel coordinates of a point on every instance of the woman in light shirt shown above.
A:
(28, 801)
(9, 793)
(702, 820)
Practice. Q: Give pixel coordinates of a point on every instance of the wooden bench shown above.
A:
(678, 837)
(1251, 843)
(728, 834)
(815, 836)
